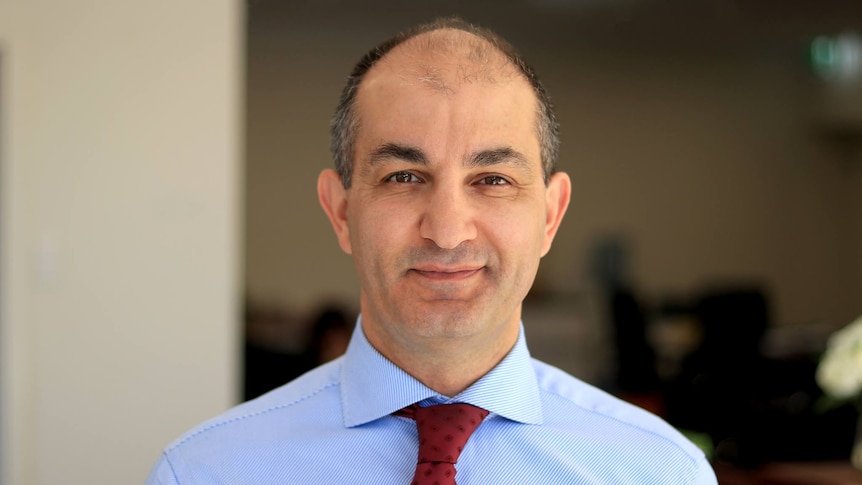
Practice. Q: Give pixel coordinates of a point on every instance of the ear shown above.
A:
(557, 197)
(333, 198)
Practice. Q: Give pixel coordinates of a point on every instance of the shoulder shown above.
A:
(314, 396)
(253, 437)
(570, 402)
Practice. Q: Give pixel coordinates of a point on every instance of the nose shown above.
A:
(448, 217)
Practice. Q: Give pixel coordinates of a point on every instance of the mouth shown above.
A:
(440, 273)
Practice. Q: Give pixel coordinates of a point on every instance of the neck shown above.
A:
(446, 365)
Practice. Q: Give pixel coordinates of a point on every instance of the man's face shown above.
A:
(448, 213)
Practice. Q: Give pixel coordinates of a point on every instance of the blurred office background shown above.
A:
(163, 255)
(714, 239)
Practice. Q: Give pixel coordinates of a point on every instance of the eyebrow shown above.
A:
(498, 156)
(483, 158)
(393, 151)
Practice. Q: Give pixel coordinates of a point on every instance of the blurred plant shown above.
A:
(840, 371)
(840, 376)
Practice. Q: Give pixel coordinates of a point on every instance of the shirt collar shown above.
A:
(373, 387)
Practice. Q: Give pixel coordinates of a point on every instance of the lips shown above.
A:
(442, 273)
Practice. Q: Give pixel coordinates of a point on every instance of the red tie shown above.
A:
(443, 431)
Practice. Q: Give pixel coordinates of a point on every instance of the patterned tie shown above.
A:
(443, 431)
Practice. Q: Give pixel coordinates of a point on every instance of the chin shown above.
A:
(448, 321)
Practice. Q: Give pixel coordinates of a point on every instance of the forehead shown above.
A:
(448, 82)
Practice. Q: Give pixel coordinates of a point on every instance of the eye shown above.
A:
(493, 180)
(403, 178)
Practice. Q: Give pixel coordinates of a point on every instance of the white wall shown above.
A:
(120, 245)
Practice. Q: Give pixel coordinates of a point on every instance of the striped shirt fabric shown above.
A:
(334, 425)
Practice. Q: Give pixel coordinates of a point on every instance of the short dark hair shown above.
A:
(345, 123)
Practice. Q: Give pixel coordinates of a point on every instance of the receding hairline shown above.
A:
(464, 57)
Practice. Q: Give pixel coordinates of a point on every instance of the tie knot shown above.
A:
(444, 430)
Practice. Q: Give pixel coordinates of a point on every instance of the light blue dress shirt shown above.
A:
(334, 425)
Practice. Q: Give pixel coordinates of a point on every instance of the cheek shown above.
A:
(376, 231)
(519, 232)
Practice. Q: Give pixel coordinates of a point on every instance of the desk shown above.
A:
(801, 473)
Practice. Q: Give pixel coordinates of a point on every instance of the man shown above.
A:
(446, 197)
